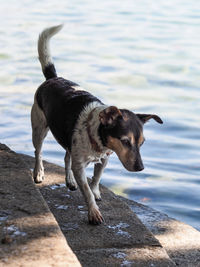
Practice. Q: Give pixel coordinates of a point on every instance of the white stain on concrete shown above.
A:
(3, 218)
(82, 212)
(127, 263)
(122, 255)
(118, 228)
(56, 186)
(61, 207)
(66, 195)
(119, 255)
(69, 226)
(121, 232)
(14, 231)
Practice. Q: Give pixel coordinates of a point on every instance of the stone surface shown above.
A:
(29, 234)
(121, 241)
(129, 257)
(181, 241)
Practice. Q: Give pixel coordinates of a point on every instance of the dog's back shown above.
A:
(62, 104)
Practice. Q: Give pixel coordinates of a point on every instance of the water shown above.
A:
(141, 55)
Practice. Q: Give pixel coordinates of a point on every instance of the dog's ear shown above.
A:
(109, 116)
(145, 117)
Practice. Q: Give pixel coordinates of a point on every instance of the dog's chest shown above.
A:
(83, 149)
(86, 143)
(95, 157)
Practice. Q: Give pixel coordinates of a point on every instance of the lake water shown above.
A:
(141, 55)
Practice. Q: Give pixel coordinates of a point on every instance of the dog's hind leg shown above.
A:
(39, 132)
(98, 170)
(69, 178)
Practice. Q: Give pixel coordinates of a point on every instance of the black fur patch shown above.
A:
(62, 106)
(50, 71)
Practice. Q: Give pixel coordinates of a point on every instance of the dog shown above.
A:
(86, 128)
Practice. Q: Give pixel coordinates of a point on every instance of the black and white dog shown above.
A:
(86, 128)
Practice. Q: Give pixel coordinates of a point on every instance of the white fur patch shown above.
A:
(82, 149)
(43, 45)
(78, 88)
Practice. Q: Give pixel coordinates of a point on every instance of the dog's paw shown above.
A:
(96, 192)
(94, 216)
(70, 182)
(38, 177)
(71, 187)
(97, 195)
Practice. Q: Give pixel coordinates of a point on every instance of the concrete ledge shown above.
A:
(29, 233)
(122, 241)
(180, 240)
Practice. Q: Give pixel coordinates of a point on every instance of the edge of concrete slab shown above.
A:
(180, 240)
(29, 233)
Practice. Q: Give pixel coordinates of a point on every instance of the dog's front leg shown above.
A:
(94, 215)
(98, 170)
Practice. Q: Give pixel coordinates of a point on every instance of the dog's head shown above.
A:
(122, 131)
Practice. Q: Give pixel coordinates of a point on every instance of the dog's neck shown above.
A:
(86, 134)
(86, 138)
(93, 142)
(93, 129)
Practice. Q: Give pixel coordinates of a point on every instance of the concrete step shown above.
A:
(121, 241)
(31, 236)
(29, 233)
(180, 240)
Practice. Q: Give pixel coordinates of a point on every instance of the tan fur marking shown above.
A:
(131, 137)
(116, 145)
(141, 139)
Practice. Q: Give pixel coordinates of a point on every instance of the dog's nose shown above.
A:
(139, 168)
(139, 164)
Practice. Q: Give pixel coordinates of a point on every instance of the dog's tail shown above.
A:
(48, 68)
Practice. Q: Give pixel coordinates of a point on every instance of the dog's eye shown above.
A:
(126, 142)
